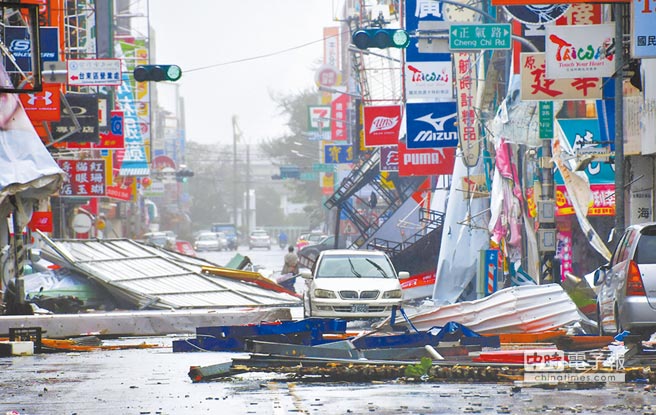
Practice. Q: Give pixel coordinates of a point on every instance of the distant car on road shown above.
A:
(309, 239)
(230, 231)
(160, 238)
(259, 239)
(626, 286)
(208, 241)
(352, 284)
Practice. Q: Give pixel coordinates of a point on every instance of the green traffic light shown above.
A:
(156, 73)
(380, 38)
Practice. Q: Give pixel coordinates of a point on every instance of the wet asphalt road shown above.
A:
(155, 381)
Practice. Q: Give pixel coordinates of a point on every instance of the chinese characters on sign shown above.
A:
(546, 120)
(335, 154)
(643, 36)
(85, 177)
(339, 108)
(90, 72)
(468, 124)
(536, 85)
(428, 80)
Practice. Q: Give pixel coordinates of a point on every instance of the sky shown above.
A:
(214, 33)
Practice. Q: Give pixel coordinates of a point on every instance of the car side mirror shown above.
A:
(306, 273)
(599, 275)
(403, 275)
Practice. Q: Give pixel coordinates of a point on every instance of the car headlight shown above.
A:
(392, 294)
(319, 293)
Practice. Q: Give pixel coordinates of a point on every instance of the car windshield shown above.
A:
(207, 237)
(259, 233)
(347, 266)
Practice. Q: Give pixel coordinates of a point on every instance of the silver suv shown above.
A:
(626, 287)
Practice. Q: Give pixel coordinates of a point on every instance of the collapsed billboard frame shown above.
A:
(27, 15)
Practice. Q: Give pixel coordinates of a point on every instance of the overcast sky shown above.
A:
(202, 33)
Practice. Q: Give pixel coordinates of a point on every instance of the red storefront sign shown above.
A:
(426, 161)
(44, 105)
(41, 221)
(339, 109)
(603, 201)
(382, 125)
(120, 193)
(84, 177)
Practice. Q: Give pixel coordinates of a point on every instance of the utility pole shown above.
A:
(247, 221)
(235, 138)
(619, 123)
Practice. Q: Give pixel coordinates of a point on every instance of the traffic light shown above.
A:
(183, 175)
(380, 38)
(156, 73)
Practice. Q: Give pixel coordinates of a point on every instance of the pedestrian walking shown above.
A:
(290, 266)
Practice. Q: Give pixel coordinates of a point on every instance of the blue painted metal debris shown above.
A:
(307, 332)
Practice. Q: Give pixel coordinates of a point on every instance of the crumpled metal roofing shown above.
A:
(149, 277)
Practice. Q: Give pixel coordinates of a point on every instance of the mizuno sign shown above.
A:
(431, 125)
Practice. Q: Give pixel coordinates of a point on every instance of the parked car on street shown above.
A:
(208, 241)
(626, 286)
(259, 239)
(352, 284)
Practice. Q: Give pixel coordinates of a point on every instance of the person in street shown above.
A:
(290, 266)
(282, 239)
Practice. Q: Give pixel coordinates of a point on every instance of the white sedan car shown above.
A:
(207, 242)
(259, 239)
(352, 284)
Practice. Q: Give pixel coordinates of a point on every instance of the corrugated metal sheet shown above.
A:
(522, 309)
(152, 278)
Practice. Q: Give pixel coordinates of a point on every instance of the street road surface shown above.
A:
(155, 381)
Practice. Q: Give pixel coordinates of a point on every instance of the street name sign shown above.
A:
(480, 36)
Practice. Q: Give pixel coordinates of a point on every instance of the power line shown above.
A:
(267, 55)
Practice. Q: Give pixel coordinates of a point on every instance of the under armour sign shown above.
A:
(431, 124)
(44, 105)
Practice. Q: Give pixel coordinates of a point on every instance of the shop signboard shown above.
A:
(537, 87)
(389, 158)
(428, 81)
(426, 161)
(382, 124)
(338, 153)
(85, 178)
(643, 32)
(431, 124)
(580, 51)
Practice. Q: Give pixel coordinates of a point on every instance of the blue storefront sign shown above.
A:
(431, 124)
(418, 16)
(643, 35)
(19, 44)
(584, 133)
(338, 153)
